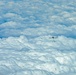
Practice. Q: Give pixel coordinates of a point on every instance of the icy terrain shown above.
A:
(37, 37)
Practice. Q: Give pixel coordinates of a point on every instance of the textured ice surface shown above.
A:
(37, 37)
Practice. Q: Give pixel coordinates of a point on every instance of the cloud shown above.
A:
(37, 37)
(48, 55)
(24, 15)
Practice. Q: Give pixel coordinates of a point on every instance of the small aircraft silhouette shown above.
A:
(53, 37)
